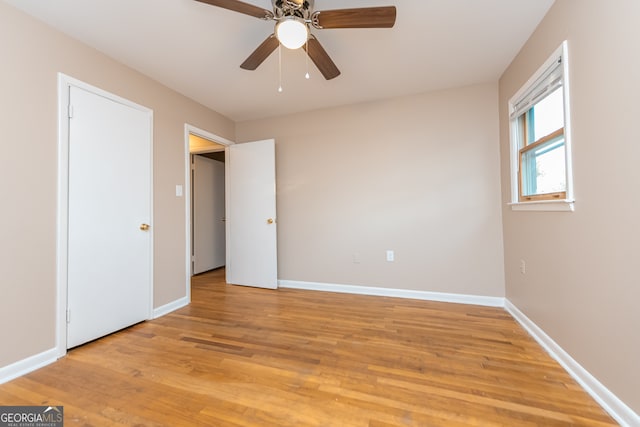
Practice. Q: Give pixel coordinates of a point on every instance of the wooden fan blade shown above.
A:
(321, 58)
(238, 6)
(261, 53)
(366, 17)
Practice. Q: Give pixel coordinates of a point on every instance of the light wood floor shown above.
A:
(250, 357)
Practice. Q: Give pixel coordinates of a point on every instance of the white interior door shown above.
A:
(109, 249)
(251, 215)
(208, 214)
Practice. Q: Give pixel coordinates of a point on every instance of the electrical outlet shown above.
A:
(390, 256)
(356, 258)
(523, 267)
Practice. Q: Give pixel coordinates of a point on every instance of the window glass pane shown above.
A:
(547, 115)
(543, 168)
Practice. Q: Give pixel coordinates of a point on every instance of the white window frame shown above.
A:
(567, 204)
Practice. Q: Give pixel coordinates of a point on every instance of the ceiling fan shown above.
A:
(293, 21)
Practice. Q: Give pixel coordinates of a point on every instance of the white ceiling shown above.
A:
(196, 49)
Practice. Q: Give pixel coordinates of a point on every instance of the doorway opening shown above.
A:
(208, 236)
(250, 211)
(206, 157)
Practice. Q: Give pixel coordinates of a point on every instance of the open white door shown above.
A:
(251, 215)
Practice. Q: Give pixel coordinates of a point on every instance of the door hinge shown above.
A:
(70, 111)
(68, 316)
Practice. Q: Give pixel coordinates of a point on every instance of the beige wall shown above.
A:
(31, 56)
(581, 285)
(418, 175)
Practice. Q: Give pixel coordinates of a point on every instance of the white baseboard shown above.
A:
(397, 293)
(172, 306)
(30, 364)
(624, 415)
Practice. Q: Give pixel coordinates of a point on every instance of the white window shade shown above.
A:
(551, 79)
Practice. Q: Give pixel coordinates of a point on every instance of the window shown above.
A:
(539, 120)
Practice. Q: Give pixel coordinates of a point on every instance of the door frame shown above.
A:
(62, 210)
(193, 130)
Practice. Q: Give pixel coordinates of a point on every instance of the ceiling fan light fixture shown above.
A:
(292, 32)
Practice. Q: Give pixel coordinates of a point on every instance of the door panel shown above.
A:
(208, 214)
(109, 255)
(251, 214)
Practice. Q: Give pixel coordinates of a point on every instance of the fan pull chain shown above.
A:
(280, 68)
(306, 76)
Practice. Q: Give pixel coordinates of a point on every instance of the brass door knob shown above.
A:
(270, 221)
(144, 227)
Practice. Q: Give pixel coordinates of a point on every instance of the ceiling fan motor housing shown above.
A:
(298, 8)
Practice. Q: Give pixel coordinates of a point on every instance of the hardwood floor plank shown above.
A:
(240, 356)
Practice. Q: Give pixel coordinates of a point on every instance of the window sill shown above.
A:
(544, 205)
